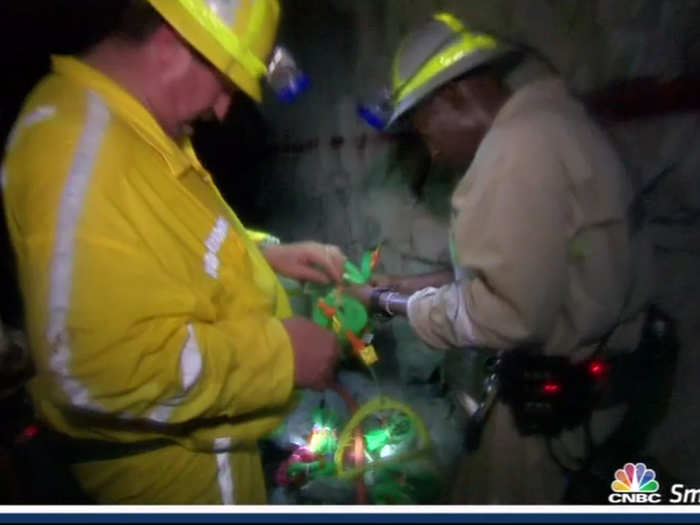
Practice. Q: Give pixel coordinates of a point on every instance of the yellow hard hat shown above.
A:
(236, 36)
(426, 59)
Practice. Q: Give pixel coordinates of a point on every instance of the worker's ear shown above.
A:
(171, 54)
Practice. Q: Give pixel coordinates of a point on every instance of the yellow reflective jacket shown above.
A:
(150, 310)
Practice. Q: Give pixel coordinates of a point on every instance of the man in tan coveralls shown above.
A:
(543, 240)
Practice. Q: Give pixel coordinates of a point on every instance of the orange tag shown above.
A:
(375, 258)
(356, 343)
(327, 310)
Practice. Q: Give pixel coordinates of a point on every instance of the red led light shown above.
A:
(30, 432)
(551, 388)
(596, 368)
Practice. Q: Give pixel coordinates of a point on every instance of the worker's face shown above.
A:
(191, 89)
(202, 94)
(452, 123)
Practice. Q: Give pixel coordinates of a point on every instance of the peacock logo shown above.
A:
(635, 483)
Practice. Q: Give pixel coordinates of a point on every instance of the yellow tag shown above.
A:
(369, 355)
(337, 327)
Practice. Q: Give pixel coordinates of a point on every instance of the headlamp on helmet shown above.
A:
(238, 38)
(377, 109)
(284, 77)
(428, 58)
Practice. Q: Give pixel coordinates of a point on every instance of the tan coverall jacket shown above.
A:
(546, 251)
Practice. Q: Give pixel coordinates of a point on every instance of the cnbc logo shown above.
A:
(635, 484)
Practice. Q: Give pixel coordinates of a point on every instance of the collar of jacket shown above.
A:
(122, 104)
(540, 92)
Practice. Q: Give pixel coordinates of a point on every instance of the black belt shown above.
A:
(548, 394)
(70, 450)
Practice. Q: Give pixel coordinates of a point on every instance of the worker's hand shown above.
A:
(307, 261)
(409, 284)
(316, 351)
(380, 280)
(361, 292)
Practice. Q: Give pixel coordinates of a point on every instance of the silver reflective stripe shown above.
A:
(213, 243)
(190, 370)
(224, 476)
(3, 178)
(38, 115)
(225, 9)
(190, 361)
(70, 212)
(161, 414)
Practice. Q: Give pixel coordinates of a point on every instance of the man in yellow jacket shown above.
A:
(156, 321)
(546, 250)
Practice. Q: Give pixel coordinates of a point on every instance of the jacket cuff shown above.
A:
(440, 316)
(262, 239)
(418, 309)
